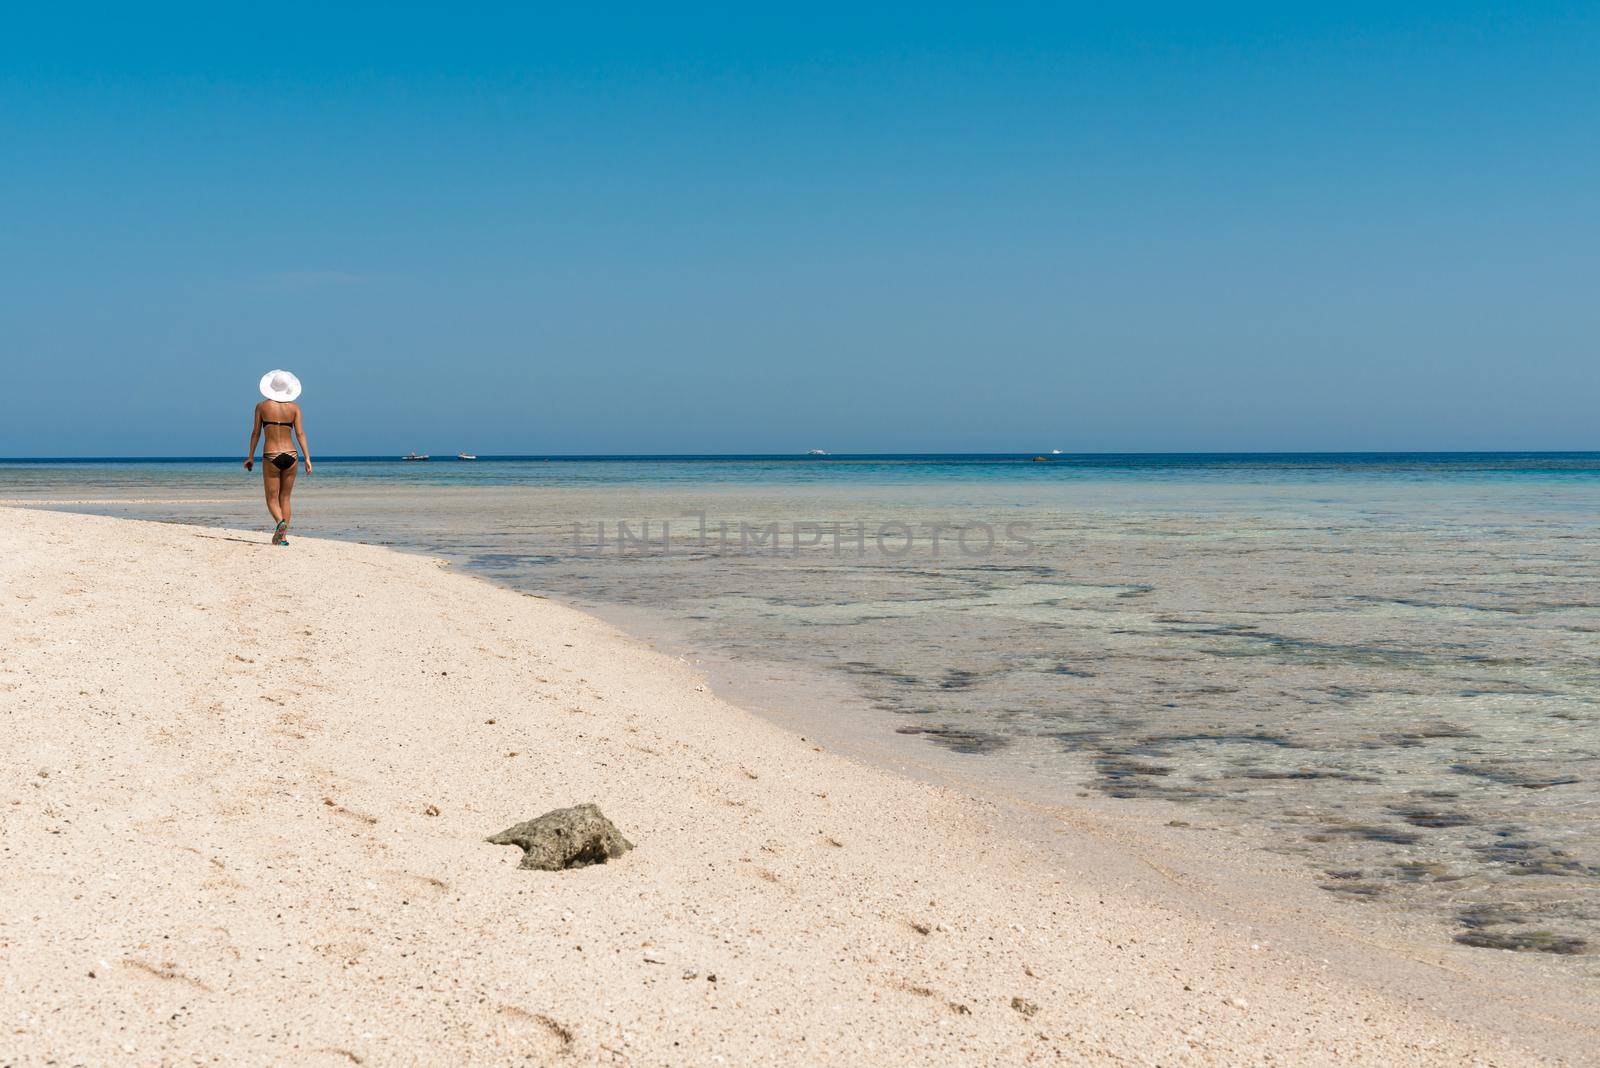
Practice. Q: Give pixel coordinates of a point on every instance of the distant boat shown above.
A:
(465, 456)
(816, 452)
(1041, 459)
(415, 456)
(1055, 452)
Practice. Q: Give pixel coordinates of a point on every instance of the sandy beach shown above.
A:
(244, 798)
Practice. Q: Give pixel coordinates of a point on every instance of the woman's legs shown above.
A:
(285, 488)
(270, 477)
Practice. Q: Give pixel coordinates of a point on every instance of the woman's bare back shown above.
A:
(277, 424)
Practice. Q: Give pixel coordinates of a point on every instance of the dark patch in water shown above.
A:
(1508, 774)
(1507, 687)
(957, 679)
(1337, 652)
(1076, 740)
(1284, 645)
(1305, 774)
(1491, 915)
(1417, 736)
(1352, 889)
(1413, 603)
(1520, 856)
(1161, 744)
(1420, 871)
(1118, 768)
(1425, 816)
(1062, 669)
(957, 740)
(1123, 777)
(1538, 941)
(899, 678)
(1147, 789)
(1371, 832)
(1039, 570)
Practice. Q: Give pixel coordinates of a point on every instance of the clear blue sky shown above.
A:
(857, 227)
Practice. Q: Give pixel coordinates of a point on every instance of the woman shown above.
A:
(281, 418)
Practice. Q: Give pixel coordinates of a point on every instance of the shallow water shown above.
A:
(1385, 666)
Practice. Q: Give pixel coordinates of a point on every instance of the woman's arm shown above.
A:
(255, 436)
(300, 432)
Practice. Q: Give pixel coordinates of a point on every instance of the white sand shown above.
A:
(218, 762)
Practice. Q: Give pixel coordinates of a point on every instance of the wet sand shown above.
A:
(245, 791)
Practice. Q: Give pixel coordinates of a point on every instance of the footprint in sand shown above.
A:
(166, 970)
(360, 817)
(347, 952)
(407, 882)
(521, 1020)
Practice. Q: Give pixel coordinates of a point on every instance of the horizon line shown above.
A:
(729, 456)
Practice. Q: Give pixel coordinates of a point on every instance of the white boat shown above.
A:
(415, 456)
(816, 452)
(465, 456)
(1055, 452)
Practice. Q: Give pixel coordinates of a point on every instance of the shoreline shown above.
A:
(1277, 893)
(1052, 934)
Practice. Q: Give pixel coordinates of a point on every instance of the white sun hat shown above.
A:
(280, 386)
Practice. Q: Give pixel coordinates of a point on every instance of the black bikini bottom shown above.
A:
(282, 460)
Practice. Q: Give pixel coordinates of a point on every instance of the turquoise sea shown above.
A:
(1384, 665)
